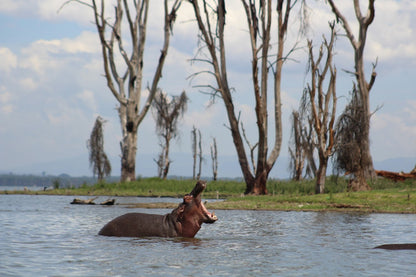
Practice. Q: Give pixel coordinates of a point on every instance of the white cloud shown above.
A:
(5, 98)
(48, 57)
(37, 56)
(88, 98)
(48, 10)
(86, 42)
(393, 135)
(28, 84)
(392, 35)
(13, 6)
(206, 117)
(6, 107)
(53, 10)
(8, 60)
(410, 111)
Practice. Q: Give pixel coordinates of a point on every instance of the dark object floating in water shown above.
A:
(399, 246)
(108, 202)
(91, 201)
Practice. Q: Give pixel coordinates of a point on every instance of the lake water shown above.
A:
(46, 236)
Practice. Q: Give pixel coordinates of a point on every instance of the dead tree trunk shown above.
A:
(194, 151)
(212, 34)
(167, 112)
(321, 104)
(126, 86)
(214, 159)
(297, 153)
(198, 176)
(366, 169)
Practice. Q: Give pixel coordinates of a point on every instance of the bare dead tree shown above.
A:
(320, 103)
(214, 159)
(196, 138)
(210, 16)
(297, 151)
(363, 88)
(99, 161)
(309, 148)
(303, 142)
(201, 158)
(167, 113)
(160, 162)
(194, 151)
(125, 82)
(251, 147)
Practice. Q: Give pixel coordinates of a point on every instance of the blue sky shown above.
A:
(52, 89)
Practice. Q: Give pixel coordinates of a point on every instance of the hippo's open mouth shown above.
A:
(209, 217)
(196, 194)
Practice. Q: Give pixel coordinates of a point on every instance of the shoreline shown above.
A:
(380, 201)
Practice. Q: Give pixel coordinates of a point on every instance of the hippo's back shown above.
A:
(139, 225)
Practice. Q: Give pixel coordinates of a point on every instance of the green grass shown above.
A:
(385, 196)
(151, 187)
(391, 200)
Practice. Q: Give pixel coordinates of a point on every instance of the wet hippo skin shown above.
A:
(184, 221)
(400, 246)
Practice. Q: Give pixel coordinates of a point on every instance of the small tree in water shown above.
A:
(99, 162)
(167, 112)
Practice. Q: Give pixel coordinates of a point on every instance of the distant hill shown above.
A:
(48, 181)
(181, 165)
(396, 164)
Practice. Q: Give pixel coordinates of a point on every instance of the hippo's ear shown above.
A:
(187, 199)
(179, 212)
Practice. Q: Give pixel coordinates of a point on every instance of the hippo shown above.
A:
(184, 221)
(400, 246)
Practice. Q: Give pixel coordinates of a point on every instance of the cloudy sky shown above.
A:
(52, 87)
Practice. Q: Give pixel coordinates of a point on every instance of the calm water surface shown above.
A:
(46, 236)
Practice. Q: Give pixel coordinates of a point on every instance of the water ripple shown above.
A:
(46, 236)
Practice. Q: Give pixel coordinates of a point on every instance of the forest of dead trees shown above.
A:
(320, 134)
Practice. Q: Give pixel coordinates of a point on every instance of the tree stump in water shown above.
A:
(84, 202)
(108, 202)
(90, 201)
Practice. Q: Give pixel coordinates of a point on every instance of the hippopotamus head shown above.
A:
(191, 213)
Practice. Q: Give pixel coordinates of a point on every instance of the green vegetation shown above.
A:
(385, 196)
(390, 201)
(156, 187)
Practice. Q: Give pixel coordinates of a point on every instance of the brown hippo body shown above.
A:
(142, 225)
(184, 221)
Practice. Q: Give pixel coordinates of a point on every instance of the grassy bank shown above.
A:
(385, 196)
(381, 201)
